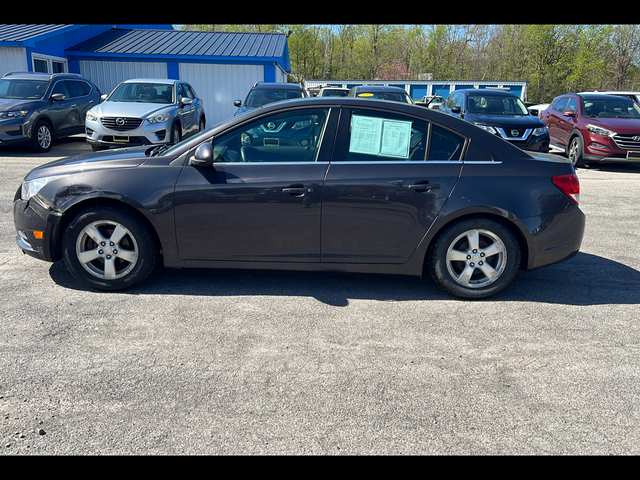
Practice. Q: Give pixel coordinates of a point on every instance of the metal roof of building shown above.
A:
(182, 42)
(24, 32)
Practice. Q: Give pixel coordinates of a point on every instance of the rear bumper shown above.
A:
(555, 238)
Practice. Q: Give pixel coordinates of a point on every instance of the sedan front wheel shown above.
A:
(106, 248)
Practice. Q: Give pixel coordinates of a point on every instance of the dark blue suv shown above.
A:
(501, 113)
(263, 93)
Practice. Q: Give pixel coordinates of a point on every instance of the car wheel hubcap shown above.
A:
(476, 258)
(573, 151)
(107, 250)
(44, 137)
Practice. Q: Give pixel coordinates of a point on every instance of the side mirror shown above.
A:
(456, 109)
(58, 97)
(569, 113)
(533, 112)
(203, 156)
(237, 103)
(104, 97)
(185, 101)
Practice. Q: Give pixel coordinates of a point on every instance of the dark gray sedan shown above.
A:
(340, 184)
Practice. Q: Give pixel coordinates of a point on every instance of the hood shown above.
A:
(506, 121)
(129, 109)
(108, 159)
(243, 109)
(618, 125)
(9, 104)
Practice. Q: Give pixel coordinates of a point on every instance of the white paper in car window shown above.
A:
(377, 136)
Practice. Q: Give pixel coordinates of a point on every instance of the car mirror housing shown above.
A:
(237, 103)
(569, 113)
(456, 110)
(185, 101)
(203, 156)
(58, 97)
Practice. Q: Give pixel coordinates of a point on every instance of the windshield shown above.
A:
(617, 107)
(394, 97)
(262, 96)
(494, 105)
(143, 92)
(23, 89)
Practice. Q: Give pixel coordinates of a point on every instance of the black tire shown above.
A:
(474, 258)
(107, 248)
(176, 134)
(202, 124)
(41, 137)
(574, 153)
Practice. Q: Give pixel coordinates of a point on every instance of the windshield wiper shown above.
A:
(157, 150)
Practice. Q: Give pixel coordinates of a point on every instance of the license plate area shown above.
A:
(121, 138)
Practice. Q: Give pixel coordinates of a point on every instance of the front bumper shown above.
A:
(12, 132)
(146, 134)
(32, 216)
(604, 149)
(533, 143)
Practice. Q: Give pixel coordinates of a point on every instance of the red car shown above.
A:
(593, 127)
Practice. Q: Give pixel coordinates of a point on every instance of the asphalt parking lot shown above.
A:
(253, 362)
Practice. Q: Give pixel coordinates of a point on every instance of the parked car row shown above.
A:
(37, 108)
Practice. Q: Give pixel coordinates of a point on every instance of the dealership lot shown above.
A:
(254, 362)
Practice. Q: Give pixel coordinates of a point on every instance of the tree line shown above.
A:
(552, 59)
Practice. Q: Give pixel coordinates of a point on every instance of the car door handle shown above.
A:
(419, 187)
(297, 191)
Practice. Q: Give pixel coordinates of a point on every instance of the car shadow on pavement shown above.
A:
(63, 147)
(583, 280)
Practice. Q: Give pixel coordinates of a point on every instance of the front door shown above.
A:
(261, 200)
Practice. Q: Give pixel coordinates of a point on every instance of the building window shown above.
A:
(49, 64)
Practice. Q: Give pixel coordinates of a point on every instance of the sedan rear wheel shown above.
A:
(475, 258)
(108, 249)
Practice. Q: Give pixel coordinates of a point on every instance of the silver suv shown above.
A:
(145, 112)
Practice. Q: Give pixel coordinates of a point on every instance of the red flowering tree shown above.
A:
(395, 70)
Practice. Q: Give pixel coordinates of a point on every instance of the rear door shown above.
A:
(390, 176)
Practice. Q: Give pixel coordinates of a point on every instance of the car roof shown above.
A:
(596, 96)
(39, 76)
(150, 80)
(489, 92)
(286, 86)
(379, 88)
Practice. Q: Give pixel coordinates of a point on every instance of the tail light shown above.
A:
(569, 185)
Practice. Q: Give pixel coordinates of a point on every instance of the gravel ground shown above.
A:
(271, 363)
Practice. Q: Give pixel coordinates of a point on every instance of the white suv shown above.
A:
(145, 112)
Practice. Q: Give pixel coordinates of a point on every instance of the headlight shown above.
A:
(13, 114)
(599, 130)
(162, 117)
(487, 128)
(540, 131)
(31, 187)
(92, 117)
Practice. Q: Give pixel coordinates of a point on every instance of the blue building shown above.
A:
(221, 66)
